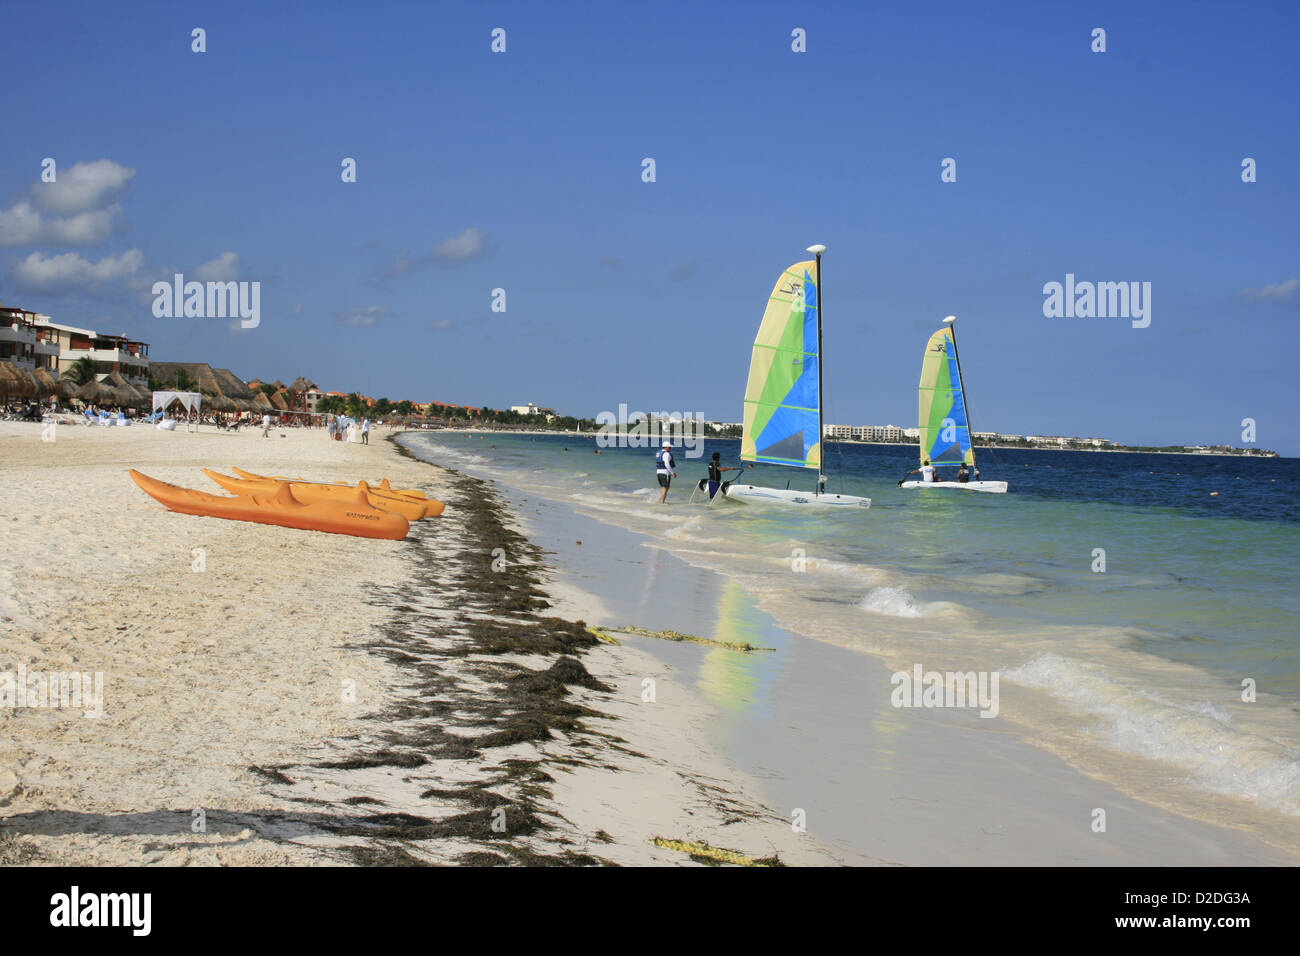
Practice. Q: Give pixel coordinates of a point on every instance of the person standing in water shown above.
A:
(926, 470)
(715, 474)
(664, 470)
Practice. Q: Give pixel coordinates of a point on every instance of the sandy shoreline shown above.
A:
(274, 696)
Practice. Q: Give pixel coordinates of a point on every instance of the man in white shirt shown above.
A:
(926, 471)
(365, 431)
(664, 465)
(266, 425)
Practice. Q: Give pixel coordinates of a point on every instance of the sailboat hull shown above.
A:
(784, 496)
(992, 487)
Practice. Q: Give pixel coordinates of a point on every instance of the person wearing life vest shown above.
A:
(715, 474)
(664, 465)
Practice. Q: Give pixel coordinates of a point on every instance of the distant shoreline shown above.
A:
(895, 444)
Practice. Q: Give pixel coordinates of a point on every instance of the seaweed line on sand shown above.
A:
(461, 623)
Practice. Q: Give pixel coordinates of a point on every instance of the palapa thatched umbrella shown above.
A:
(95, 393)
(13, 383)
(280, 401)
(50, 385)
(261, 403)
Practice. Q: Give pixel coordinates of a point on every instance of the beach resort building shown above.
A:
(22, 342)
(110, 353)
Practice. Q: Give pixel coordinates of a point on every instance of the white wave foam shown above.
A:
(894, 602)
(1198, 737)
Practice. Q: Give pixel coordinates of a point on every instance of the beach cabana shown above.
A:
(190, 401)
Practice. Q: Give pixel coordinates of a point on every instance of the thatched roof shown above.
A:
(300, 385)
(232, 386)
(200, 374)
(50, 385)
(125, 393)
(13, 383)
(278, 384)
(96, 392)
(260, 401)
(279, 401)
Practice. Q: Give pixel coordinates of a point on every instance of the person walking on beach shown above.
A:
(331, 427)
(266, 425)
(664, 470)
(715, 474)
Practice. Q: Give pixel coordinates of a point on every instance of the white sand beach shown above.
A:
(229, 649)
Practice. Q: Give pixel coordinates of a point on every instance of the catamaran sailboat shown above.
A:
(783, 399)
(943, 419)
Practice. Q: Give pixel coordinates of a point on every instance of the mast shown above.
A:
(951, 322)
(817, 250)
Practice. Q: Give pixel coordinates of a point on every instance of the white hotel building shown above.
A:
(110, 353)
(22, 344)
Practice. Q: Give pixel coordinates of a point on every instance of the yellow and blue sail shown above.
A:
(782, 423)
(945, 433)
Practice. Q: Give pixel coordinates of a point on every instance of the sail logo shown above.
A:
(946, 689)
(626, 429)
(208, 300)
(1102, 300)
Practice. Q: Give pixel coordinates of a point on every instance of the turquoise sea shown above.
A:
(1135, 672)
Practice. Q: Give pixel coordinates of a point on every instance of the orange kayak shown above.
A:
(432, 506)
(282, 508)
(309, 492)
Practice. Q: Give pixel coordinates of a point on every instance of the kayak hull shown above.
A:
(427, 507)
(784, 496)
(992, 487)
(356, 518)
(309, 492)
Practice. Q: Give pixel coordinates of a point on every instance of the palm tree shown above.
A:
(81, 371)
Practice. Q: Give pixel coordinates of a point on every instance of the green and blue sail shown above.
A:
(945, 431)
(782, 423)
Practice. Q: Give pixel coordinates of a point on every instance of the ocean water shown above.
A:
(1134, 674)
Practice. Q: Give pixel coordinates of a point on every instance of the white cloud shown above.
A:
(1282, 292)
(439, 325)
(459, 248)
(70, 272)
(82, 187)
(22, 225)
(224, 268)
(367, 316)
(467, 245)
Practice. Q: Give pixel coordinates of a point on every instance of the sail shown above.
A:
(945, 435)
(783, 397)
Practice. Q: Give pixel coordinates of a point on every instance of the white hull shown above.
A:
(992, 487)
(784, 496)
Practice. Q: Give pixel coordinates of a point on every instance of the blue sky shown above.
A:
(522, 171)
